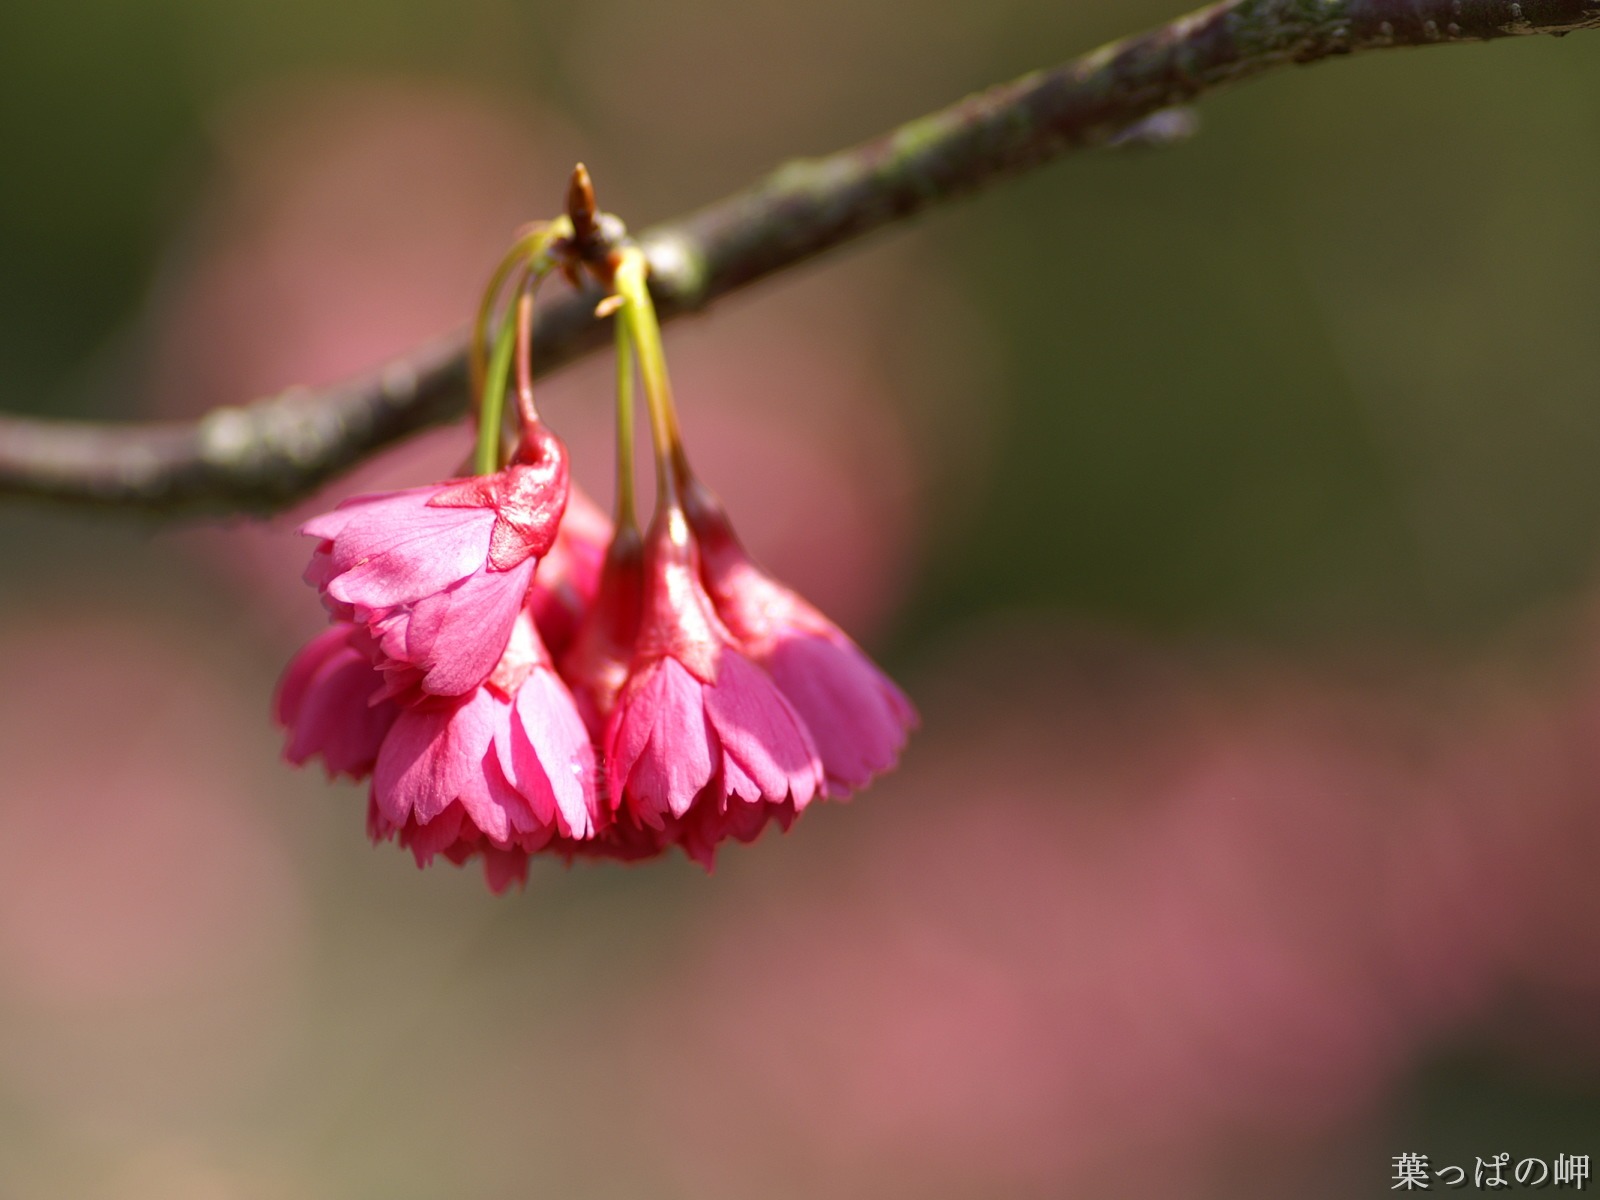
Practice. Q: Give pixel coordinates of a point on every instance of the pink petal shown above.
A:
(330, 525)
(767, 753)
(549, 717)
(858, 719)
(660, 746)
(707, 826)
(529, 831)
(379, 828)
(483, 793)
(324, 702)
(551, 756)
(502, 868)
(298, 674)
(532, 500)
(337, 721)
(456, 636)
(569, 575)
(319, 570)
(431, 756)
(437, 836)
(386, 557)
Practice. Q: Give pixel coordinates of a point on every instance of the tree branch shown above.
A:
(265, 455)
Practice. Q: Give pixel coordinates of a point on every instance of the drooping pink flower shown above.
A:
(327, 701)
(497, 772)
(858, 719)
(438, 574)
(697, 727)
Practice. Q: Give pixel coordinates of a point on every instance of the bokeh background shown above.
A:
(1230, 510)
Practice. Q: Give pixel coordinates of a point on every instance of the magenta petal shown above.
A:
(337, 721)
(660, 745)
(858, 719)
(302, 667)
(324, 702)
(767, 752)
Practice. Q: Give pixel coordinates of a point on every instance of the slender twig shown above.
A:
(264, 455)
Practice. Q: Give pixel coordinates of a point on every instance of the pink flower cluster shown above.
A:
(516, 679)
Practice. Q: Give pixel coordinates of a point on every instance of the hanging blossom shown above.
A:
(437, 575)
(519, 675)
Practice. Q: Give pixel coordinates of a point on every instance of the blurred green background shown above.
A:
(1167, 446)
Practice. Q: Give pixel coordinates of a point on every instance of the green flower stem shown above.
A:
(638, 316)
(491, 407)
(625, 511)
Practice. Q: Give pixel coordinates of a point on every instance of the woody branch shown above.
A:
(262, 456)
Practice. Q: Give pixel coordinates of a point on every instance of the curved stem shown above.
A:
(626, 518)
(526, 412)
(638, 316)
(486, 456)
(530, 249)
(528, 243)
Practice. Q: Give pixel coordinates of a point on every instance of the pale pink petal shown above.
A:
(330, 525)
(385, 559)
